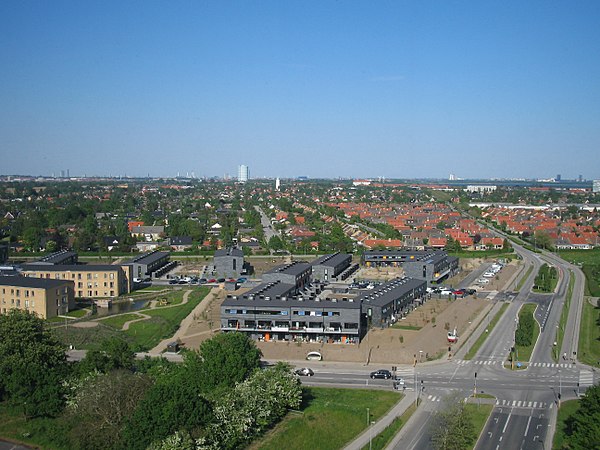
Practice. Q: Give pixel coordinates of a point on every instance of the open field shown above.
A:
(324, 410)
(590, 262)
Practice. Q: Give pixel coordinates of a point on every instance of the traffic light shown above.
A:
(422, 386)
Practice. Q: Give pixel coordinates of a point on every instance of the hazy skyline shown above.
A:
(322, 89)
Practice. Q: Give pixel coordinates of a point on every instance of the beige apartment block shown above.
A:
(46, 298)
(91, 281)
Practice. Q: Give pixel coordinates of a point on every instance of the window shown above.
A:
(89, 276)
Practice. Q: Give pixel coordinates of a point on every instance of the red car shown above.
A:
(459, 292)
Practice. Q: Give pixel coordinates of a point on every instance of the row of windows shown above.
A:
(95, 284)
(95, 293)
(65, 276)
(283, 313)
(17, 303)
(17, 292)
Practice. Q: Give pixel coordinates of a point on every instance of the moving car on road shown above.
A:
(381, 373)
(305, 372)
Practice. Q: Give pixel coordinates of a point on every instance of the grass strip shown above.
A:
(589, 335)
(566, 410)
(479, 415)
(564, 315)
(406, 327)
(524, 277)
(382, 440)
(481, 339)
(524, 351)
(330, 418)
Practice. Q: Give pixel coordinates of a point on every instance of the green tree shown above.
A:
(113, 353)
(101, 407)
(223, 361)
(583, 427)
(453, 428)
(32, 365)
(172, 404)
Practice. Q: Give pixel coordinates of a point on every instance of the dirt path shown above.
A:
(187, 322)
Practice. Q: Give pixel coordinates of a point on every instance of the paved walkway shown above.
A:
(381, 424)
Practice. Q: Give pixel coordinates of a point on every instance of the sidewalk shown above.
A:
(381, 424)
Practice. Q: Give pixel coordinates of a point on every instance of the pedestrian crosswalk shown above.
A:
(586, 378)
(462, 362)
(555, 365)
(524, 404)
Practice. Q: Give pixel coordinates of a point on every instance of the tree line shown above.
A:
(218, 398)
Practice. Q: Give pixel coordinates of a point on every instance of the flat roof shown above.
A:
(278, 289)
(148, 258)
(55, 257)
(229, 252)
(69, 267)
(331, 260)
(295, 268)
(32, 282)
(390, 291)
(417, 255)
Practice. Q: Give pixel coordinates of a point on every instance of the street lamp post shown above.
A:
(368, 417)
(371, 435)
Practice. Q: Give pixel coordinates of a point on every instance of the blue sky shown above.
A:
(318, 88)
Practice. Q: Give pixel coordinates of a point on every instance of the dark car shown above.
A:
(470, 291)
(381, 373)
(172, 281)
(304, 372)
(221, 280)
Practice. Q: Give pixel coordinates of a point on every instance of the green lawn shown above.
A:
(479, 415)
(381, 441)
(141, 335)
(589, 335)
(590, 260)
(43, 433)
(406, 327)
(163, 323)
(566, 409)
(118, 320)
(524, 352)
(330, 418)
(479, 342)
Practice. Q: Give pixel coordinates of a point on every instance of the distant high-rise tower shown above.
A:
(243, 173)
(558, 177)
(580, 178)
(277, 183)
(452, 177)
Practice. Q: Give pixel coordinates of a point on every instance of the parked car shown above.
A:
(381, 373)
(483, 281)
(459, 292)
(470, 291)
(304, 372)
(314, 356)
(173, 281)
